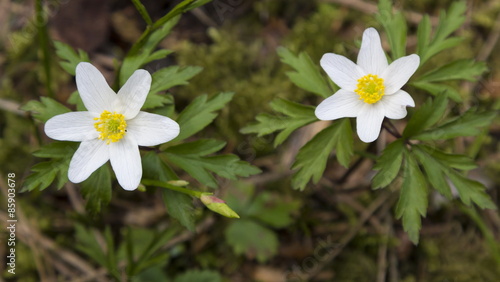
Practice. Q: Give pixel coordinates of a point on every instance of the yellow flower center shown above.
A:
(370, 88)
(112, 126)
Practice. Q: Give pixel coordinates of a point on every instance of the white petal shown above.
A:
(126, 162)
(399, 72)
(95, 92)
(90, 156)
(395, 105)
(369, 122)
(341, 104)
(371, 57)
(73, 126)
(151, 129)
(134, 92)
(341, 70)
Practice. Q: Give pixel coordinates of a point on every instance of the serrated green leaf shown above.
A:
(157, 100)
(199, 276)
(412, 202)
(312, 158)
(465, 69)
(439, 47)
(468, 124)
(306, 74)
(451, 20)
(388, 164)
(57, 150)
(192, 157)
(461, 162)
(471, 191)
(296, 116)
(45, 173)
(273, 209)
(227, 166)
(169, 77)
(426, 116)
(69, 57)
(134, 61)
(434, 171)
(241, 236)
(180, 207)
(97, 189)
(201, 147)
(395, 27)
(448, 23)
(200, 113)
(438, 89)
(45, 109)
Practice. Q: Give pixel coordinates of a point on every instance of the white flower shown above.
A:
(370, 90)
(113, 127)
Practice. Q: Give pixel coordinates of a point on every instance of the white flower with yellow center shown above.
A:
(113, 127)
(370, 89)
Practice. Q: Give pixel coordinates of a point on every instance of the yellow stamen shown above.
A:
(370, 88)
(112, 126)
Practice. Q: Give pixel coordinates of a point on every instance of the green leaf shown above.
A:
(388, 164)
(412, 202)
(465, 69)
(273, 209)
(306, 74)
(135, 60)
(461, 162)
(146, 244)
(448, 23)
(97, 189)
(158, 55)
(58, 150)
(45, 173)
(69, 57)
(252, 239)
(45, 109)
(471, 191)
(192, 157)
(312, 158)
(426, 116)
(87, 244)
(157, 100)
(180, 207)
(154, 168)
(200, 113)
(468, 124)
(199, 276)
(395, 27)
(169, 77)
(434, 171)
(180, 8)
(439, 89)
(142, 10)
(295, 116)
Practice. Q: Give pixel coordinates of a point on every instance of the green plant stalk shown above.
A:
(142, 10)
(162, 184)
(488, 235)
(44, 43)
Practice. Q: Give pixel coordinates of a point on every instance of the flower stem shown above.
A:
(163, 184)
(387, 125)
